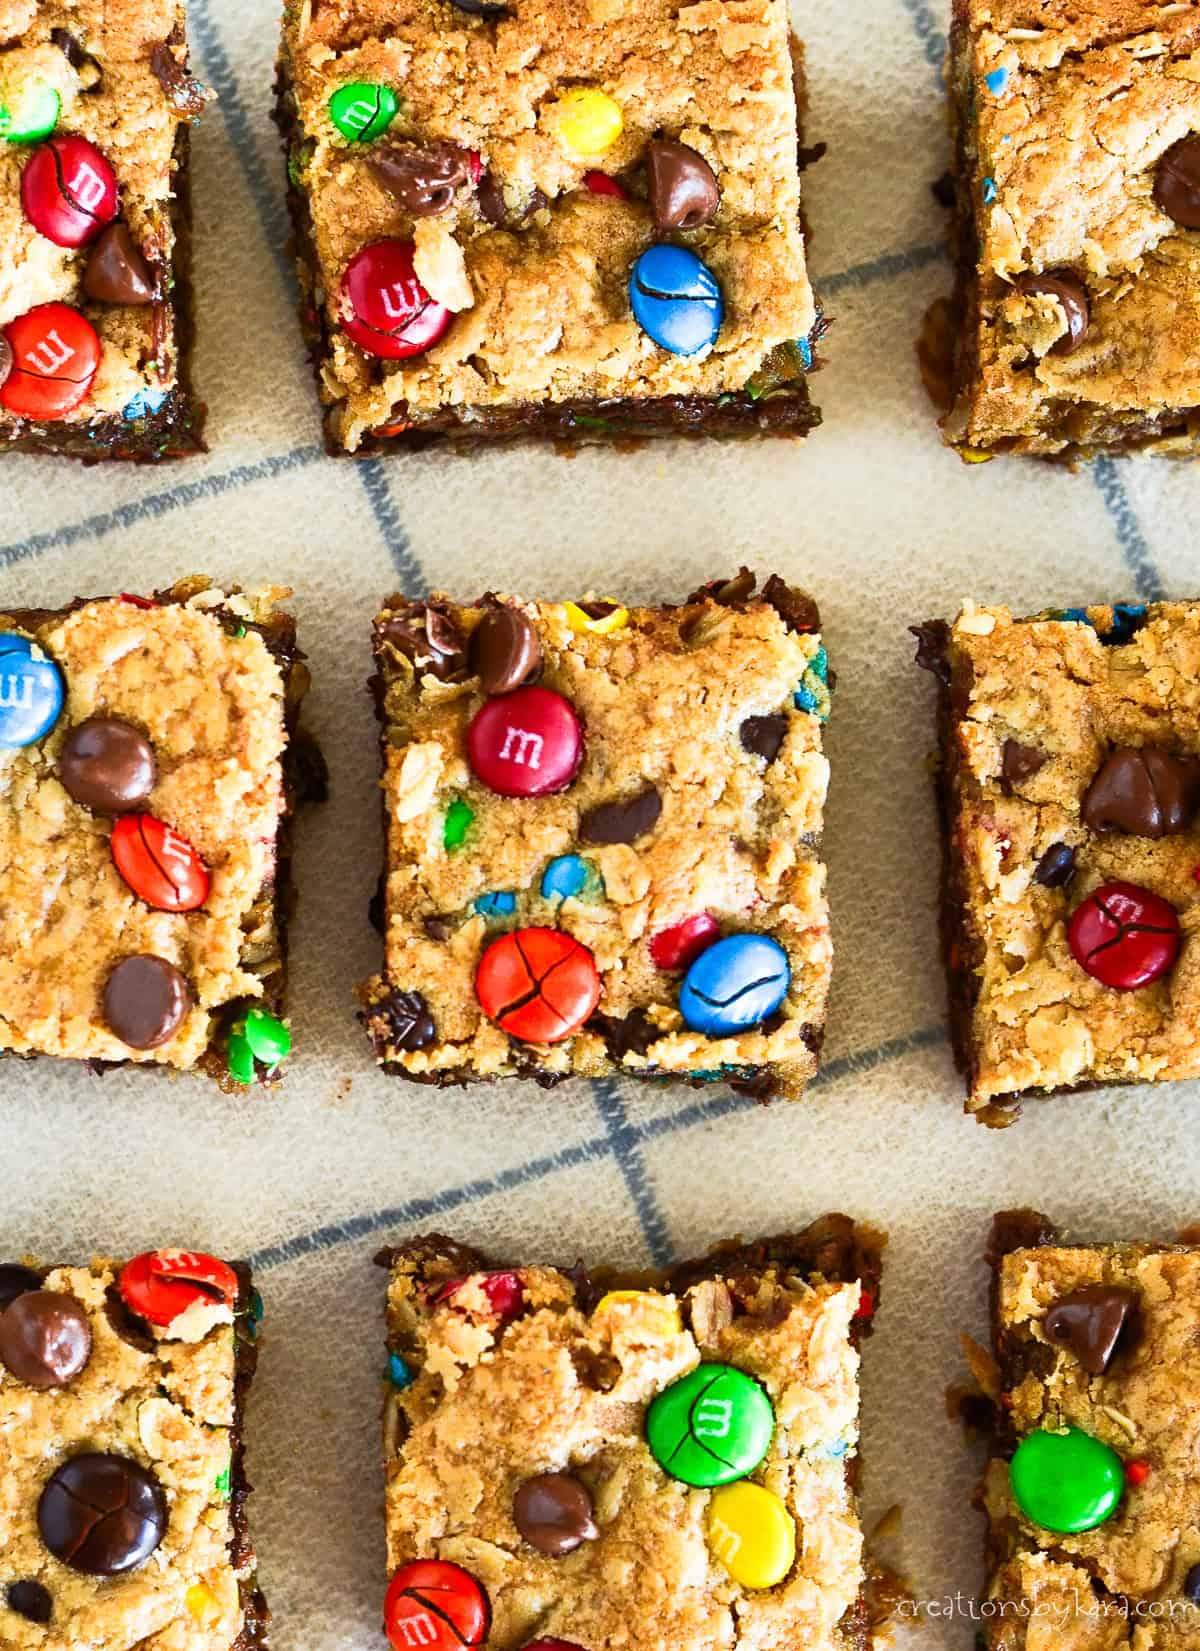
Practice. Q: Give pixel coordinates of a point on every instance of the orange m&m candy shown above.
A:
(159, 865)
(538, 985)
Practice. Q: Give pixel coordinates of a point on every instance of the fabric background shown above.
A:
(886, 528)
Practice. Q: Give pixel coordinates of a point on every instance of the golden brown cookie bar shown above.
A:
(1069, 786)
(559, 220)
(1077, 185)
(122, 1482)
(590, 1461)
(150, 769)
(1091, 1540)
(603, 839)
(96, 98)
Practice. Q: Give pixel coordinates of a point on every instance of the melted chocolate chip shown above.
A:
(490, 197)
(146, 1000)
(102, 1514)
(409, 1020)
(423, 178)
(553, 1512)
(683, 189)
(15, 1280)
(1089, 1322)
(183, 91)
(795, 607)
(30, 1600)
(429, 638)
(622, 822)
(505, 650)
(45, 1339)
(1069, 291)
(1144, 791)
(764, 736)
(116, 272)
(6, 359)
(107, 765)
(631, 1034)
(933, 639)
(1056, 867)
(1018, 762)
(1177, 182)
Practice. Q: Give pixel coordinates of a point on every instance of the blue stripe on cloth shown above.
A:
(372, 473)
(626, 1150)
(926, 21)
(1148, 580)
(883, 268)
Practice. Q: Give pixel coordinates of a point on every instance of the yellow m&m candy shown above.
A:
(667, 1312)
(589, 121)
(601, 618)
(202, 1603)
(752, 1534)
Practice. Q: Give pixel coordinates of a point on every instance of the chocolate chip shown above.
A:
(107, 765)
(183, 91)
(553, 1512)
(1191, 1585)
(30, 1600)
(682, 185)
(102, 1514)
(429, 638)
(1144, 791)
(622, 822)
(728, 593)
(505, 650)
(490, 197)
(45, 1339)
(630, 1034)
(795, 607)
(6, 359)
(410, 1023)
(1069, 291)
(116, 272)
(146, 1001)
(1089, 1322)
(15, 1280)
(1018, 762)
(1056, 867)
(1177, 182)
(764, 736)
(423, 178)
(70, 47)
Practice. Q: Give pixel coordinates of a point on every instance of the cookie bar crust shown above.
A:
(699, 799)
(1074, 317)
(1045, 726)
(563, 1386)
(121, 73)
(1129, 1580)
(532, 262)
(174, 1401)
(215, 680)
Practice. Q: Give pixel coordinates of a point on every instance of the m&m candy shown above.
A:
(69, 191)
(538, 985)
(682, 943)
(384, 308)
(752, 1533)
(710, 1427)
(734, 984)
(566, 876)
(676, 299)
(589, 121)
(1124, 936)
(434, 1604)
(363, 111)
(663, 1310)
(600, 618)
(496, 903)
(525, 744)
(260, 1037)
(31, 691)
(504, 1292)
(29, 114)
(161, 867)
(160, 1285)
(55, 354)
(1066, 1481)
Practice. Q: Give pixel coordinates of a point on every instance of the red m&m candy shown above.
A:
(601, 184)
(69, 191)
(159, 865)
(526, 744)
(436, 1605)
(504, 1291)
(538, 985)
(385, 309)
(55, 354)
(1124, 936)
(681, 945)
(161, 1284)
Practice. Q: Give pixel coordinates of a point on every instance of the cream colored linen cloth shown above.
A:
(886, 528)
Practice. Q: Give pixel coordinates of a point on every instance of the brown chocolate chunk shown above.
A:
(116, 272)
(491, 200)
(764, 736)
(29, 1599)
(1177, 182)
(6, 359)
(102, 1514)
(553, 1512)
(428, 637)
(1069, 291)
(146, 1001)
(1089, 1322)
(1056, 867)
(1144, 791)
(1019, 761)
(682, 185)
(107, 765)
(183, 91)
(15, 1280)
(505, 650)
(622, 822)
(45, 1339)
(795, 607)
(410, 1023)
(422, 177)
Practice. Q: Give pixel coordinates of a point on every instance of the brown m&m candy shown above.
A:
(1144, 791)
(146, 1000)
(107, 765)
(553, 1512)
(1089, 1321)
(505, 650)
(45, 1338)
(102, 1514)
(682, 185)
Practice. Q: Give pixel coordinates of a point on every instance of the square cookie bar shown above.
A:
(150, 770)
(1092, 1543)
(122, 1485)
(603, 828)
(669, 1461)
(1069, 786)
(565, 219)
(95, 299)
(1077, 185)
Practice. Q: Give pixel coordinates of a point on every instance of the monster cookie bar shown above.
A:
(122, 1486)
(1073, 329)
(1090, 1490)
(1070, 789)
(150, 770)
(564, 219)
(592, 1463)
(603, 829)
(95, 305)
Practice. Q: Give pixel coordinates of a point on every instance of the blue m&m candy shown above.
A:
(676, 299)
(734, 984)
(31, 691)
(565, 877)
(496, 903)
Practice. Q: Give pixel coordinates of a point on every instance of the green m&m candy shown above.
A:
(239, 1058)
(711, 1427)
(362, 111)
(457, 823)
(269, 1039)
(1066, 1481)
(30, 114)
